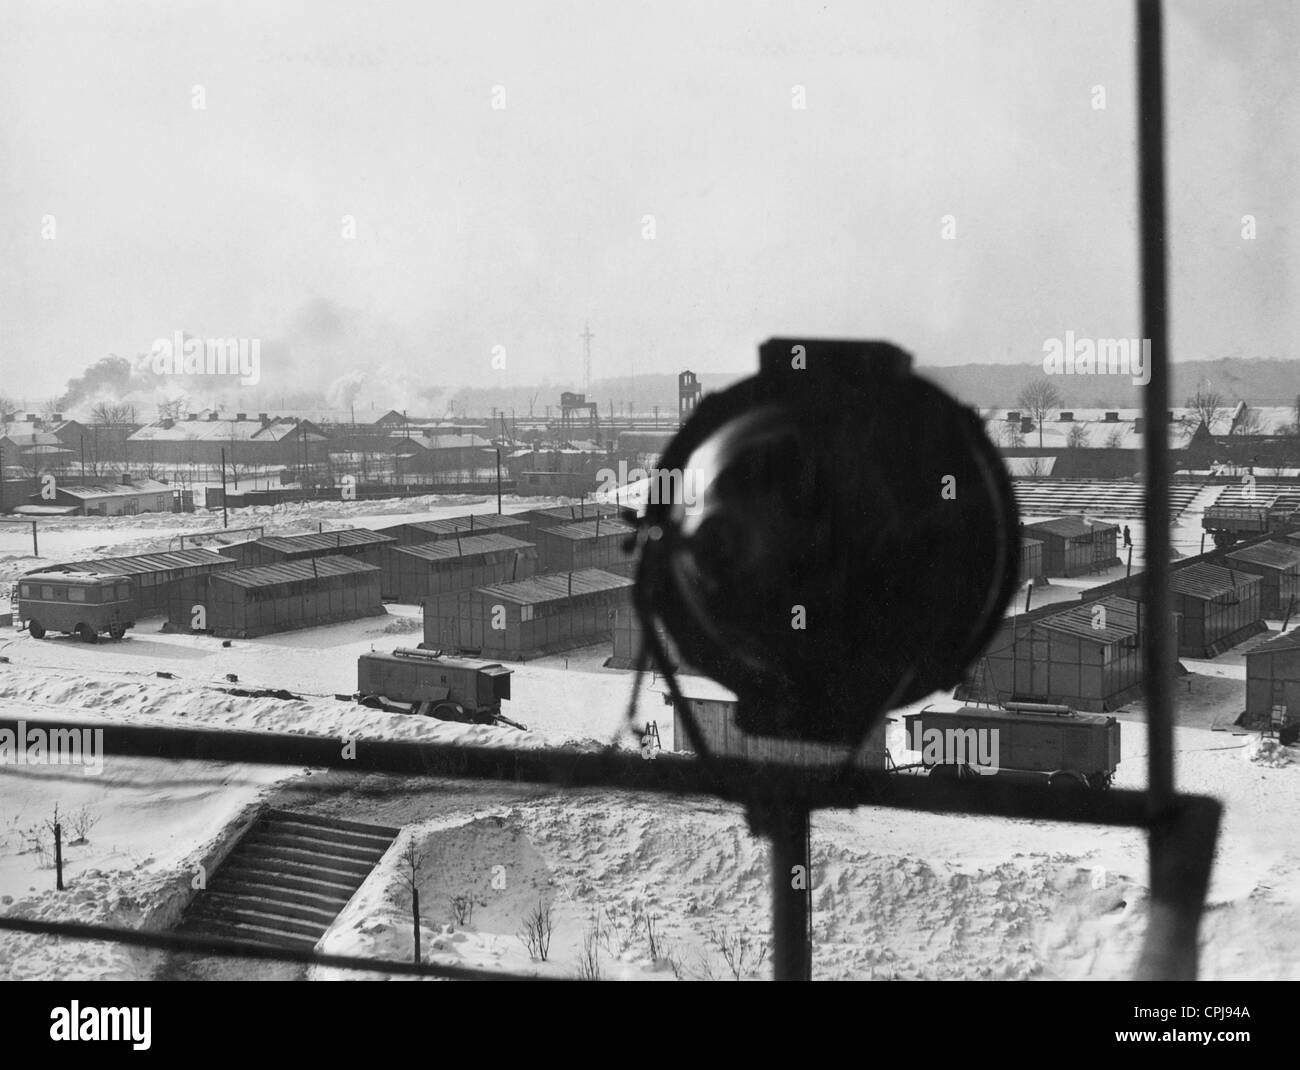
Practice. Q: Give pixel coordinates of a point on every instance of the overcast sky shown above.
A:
(479, 226)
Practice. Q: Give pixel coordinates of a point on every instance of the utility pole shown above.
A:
(498, 481)
(224, 517)
(586, 337)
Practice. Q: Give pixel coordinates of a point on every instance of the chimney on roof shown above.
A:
(31, 418)
(1013, 417)
(266, 420)
(58, 417)
(168, 422)
(1112, 418)
(1067, 417)
(126, 479)
(212, 416)
(1026, 425)
(191, 416)
(1138, 424)
(241, 416)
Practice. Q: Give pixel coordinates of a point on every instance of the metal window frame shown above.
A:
(1181, 829)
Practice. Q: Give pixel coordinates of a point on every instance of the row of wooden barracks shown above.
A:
(1088, 654)
(514, 586)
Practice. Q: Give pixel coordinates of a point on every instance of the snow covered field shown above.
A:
(896, 894)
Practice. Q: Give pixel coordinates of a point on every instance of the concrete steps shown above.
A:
(287, 880)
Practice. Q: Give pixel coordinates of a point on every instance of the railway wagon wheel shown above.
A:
(117, 630)
(87, 634)
(1067, 779)
(36, 629)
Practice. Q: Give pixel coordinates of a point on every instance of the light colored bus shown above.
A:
(78, 603)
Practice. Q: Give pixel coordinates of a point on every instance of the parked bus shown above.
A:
(79, 603)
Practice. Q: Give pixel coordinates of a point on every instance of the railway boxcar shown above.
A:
(1041, 741)
(83, 603)
(453, 689)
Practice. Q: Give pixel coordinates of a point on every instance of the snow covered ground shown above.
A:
(896, 894)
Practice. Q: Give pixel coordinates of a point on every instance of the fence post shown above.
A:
(415, 921)
(58, 856)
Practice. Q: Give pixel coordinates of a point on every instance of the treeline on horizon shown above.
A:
(1256, 381)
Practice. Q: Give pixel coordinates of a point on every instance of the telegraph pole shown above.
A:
(586, 337)
(224, 515)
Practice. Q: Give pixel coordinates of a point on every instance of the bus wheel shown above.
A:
(36, 629)
(1067, 779)
(87, 633)
(117, 630)
(449, 711)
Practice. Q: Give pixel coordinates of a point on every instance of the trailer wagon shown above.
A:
(1025, 739)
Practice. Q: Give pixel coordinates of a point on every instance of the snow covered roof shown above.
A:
(117, 490)
(556, 587)
(1121, 618)
(1280, 555)
(222, 430)
(292, 571)
(137, 564)
(437, 441)
(467, 546)
(590, 529)
(323, 540)
(1068, 527)
(1208, 581)
(1278, 644)
(469, 524)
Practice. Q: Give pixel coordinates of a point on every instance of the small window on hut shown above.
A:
(76, 594)
(525, 613)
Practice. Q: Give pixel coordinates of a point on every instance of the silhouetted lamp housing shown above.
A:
(841, 539)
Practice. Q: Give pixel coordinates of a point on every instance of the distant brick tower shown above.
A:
(688, 395)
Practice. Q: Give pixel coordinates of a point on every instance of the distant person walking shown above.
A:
(1128, 536)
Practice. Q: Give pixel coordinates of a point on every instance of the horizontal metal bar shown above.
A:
(236, 949)
(737, 780)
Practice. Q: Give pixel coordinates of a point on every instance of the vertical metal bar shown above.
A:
(1178, 876)
(1155, 328)
(791, 893)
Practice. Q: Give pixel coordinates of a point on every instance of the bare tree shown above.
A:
(111, 413)
(173, 408)
(742, 953)
(1077, 438)
(1115, 439)
(1206, 407)
(412, 858)
(536, 931)
(1036, 399)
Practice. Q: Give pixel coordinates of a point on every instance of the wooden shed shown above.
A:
(1215, 608)
(415, 532)
(599, 543)
(1087, 657)
(1273, 678)
(714, 709)
(360, 543)
(154, 574)
(414, 573)
(246, 602)
(1277, 564)
(528, 618)
(1031, 560)
(1074, 547)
